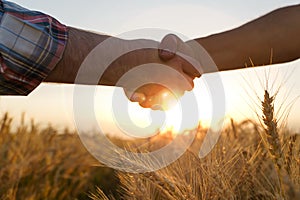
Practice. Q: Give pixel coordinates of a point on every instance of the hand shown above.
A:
(170, 82)
(164, 76)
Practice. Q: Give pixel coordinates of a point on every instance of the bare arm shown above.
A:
(81, 43)
(276, 34)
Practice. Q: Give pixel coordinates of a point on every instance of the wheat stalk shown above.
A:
(272, 137)
(290, 154)
(99, 195)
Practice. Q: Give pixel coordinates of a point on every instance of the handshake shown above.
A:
(153, 74)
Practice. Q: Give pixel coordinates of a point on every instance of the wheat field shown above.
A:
(251, 160)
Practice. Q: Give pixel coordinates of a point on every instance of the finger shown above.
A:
(138, 97)
(135, 96)
(151, 89)
(171, 45)
(148, 103)
(162, 101)
(189, 67)
(182, 80)
(191, 71)
(168, 47)
(154, 103)
(190, 85)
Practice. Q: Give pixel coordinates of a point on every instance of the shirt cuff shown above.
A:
(31, 45)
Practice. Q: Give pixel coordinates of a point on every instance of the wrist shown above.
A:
(133, 53)
(217, 49)
(80, 43)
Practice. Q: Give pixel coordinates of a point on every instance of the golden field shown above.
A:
(250, 161)
(253, 159)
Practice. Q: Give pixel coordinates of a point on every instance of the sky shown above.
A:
(53, 103)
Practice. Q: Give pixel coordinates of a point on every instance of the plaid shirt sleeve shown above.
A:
(31, 45)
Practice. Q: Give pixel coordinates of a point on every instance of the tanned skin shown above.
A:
(275, 34)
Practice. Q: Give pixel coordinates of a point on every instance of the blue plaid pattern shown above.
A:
(31, 45)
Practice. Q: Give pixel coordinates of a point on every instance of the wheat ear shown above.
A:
(272, 137)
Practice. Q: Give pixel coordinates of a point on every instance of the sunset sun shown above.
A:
(181, 114)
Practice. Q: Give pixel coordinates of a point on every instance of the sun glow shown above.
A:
(182, 114)
(177, 121)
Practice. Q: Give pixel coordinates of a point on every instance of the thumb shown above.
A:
(171, 45)
(168, 47)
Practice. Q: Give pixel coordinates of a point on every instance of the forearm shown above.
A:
(81, 43)
(273, 38)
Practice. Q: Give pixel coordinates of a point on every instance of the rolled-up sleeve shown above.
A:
(31, 45)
